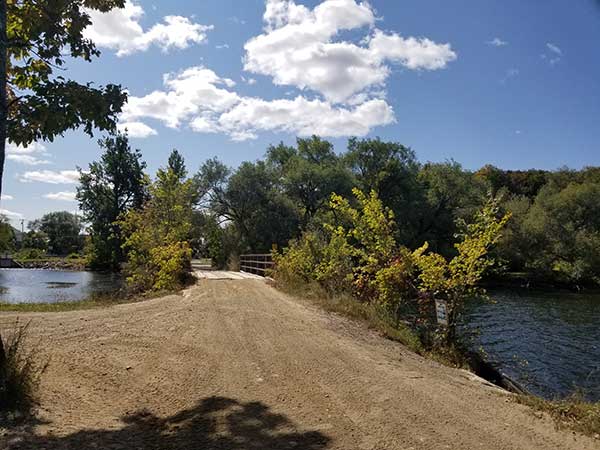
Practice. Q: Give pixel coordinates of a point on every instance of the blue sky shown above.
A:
(510, 83)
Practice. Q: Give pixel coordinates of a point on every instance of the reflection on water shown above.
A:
(549, 342)
(51, 286)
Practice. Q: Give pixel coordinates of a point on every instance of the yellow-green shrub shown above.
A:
(394, 283)
(357, 252)
(298, 262)
(157, 235)
(172, 264)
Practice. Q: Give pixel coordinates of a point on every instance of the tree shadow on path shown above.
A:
(214, 423)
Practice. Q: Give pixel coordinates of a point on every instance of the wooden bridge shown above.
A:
(257, 263)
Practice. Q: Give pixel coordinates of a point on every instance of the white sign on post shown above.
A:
(441, 312)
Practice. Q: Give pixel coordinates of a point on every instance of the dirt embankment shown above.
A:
(238, 365)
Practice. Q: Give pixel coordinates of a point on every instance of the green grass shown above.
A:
(573, 412)
(99, 301)
(61, 306)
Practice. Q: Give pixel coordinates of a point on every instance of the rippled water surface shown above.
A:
(50, 286)
(548, 342)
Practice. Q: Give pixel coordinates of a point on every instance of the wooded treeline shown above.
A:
(554, 232)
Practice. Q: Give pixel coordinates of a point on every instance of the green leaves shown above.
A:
(40, 106)
(158, 234)
(564, 224)
(57, 106)
(63, 232)
(110, 188)
(357, 251)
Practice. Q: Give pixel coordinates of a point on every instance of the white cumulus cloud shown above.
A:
(120, 30)
(6, 197)
(303, 117)
(66, 196)
(31, 155)
(203, 100)
(342, 83)
(193, 91)
(137, 129)
(51, 177)
(298, 48)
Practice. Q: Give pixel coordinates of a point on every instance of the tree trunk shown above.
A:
(3, 92)
(3, 117)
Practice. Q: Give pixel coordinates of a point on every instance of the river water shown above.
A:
(548, 342)
(51, 286)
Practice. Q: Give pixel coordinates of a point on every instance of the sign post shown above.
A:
(441, 312)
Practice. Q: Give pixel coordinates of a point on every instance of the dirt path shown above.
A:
(235, 364)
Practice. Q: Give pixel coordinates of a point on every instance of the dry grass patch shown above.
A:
(20, 374)
(573, 412)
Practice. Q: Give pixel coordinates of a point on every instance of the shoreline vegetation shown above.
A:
(95, 301)
(53, 263)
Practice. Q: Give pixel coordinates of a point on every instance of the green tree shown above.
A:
(63, 230)
(310, 174)
(457, 279)
(517, 245)
(525, 183)
(252, 201)
(564, 227)
(450, 193)
(111, 187)
(36, 38)
(35, 239)
(158, 235)
(391, 170)
(7, 235)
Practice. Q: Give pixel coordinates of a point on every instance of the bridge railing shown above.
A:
(257, 263)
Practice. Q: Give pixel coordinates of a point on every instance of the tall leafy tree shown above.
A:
(252, 201)
(310, 174)
(7, 234)
(111, 187)
(391, 170)
(63, 231)
(450, 193)
(159, 234)
(36, 38)
(564, 227)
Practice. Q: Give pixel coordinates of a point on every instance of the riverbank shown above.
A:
(529, 280)
(232, 361)
(53, 263)
(96, 301)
